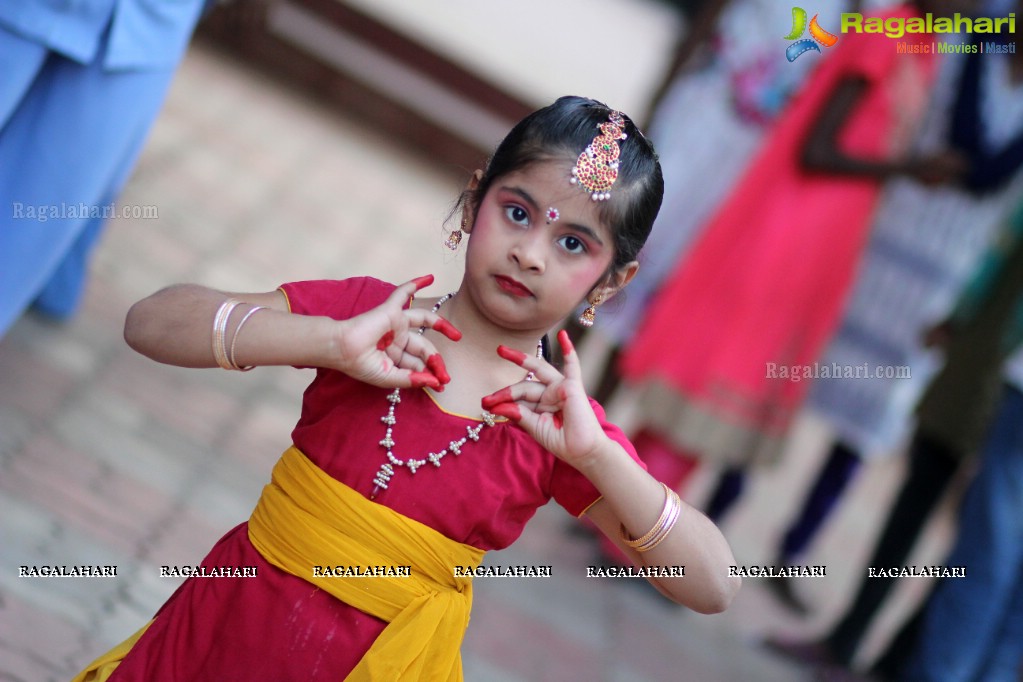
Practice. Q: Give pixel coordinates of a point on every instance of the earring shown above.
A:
(589, 316)
(455, 238)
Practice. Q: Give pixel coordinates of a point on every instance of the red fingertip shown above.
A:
(508, 411)
(559, 421)
(385, 340)
(435, 364)
(447, 329)
(421, 379)
(502, 396)
(424, 281)
(516, 356)
(566, 343)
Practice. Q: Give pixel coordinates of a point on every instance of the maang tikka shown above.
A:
(596, 169)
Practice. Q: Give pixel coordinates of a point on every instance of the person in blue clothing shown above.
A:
(986, 605)
(82, 83)
(972, 630)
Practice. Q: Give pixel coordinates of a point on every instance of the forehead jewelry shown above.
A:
(472, 433)
(552, 215)
(596, 169)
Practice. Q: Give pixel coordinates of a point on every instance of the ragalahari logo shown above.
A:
(818, 34)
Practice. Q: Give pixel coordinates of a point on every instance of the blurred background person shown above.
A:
(987, 604)
(766, 279)
(82, 85)
(924, 242)
(716, 102)
(975, 386)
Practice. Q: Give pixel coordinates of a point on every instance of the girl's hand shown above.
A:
(383, 346)
(554, 408)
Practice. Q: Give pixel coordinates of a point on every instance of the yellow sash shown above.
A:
(103, 667)
(305, 518)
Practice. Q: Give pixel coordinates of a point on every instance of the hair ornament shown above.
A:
(596, 169)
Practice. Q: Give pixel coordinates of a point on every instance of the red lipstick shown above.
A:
(513, 287)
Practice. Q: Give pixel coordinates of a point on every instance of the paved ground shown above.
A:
(107, 458)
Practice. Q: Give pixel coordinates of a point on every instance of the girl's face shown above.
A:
(525, 270)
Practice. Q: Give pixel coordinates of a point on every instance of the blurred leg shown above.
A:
(728, 491)
(843, 463)
(63, 292)
(932, 467)
(891, 664)
(987, 605)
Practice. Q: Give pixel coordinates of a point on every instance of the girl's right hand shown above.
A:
(383, 346)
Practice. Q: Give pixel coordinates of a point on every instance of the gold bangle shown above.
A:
(669, 515)
(660, 521)
(666, 528)
(220, 321)
(230, 355)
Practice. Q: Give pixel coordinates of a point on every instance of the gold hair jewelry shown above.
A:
(589, 316)
(455, 238)
(596, 169)
(669, 515)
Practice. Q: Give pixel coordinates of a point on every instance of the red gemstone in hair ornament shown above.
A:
(596, 169)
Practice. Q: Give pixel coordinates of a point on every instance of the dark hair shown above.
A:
(564, 129)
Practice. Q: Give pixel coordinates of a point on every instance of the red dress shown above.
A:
(279, 627)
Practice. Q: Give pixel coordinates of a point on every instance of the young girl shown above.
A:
(432, 432)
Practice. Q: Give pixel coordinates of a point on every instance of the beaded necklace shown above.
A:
(472, 433)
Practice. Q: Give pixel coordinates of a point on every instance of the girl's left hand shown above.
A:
(553, 408)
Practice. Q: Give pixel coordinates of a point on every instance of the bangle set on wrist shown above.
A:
(669, 515)
(222, 353)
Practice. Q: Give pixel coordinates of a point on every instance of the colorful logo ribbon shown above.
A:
(818, 34)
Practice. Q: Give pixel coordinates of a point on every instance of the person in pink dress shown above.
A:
(425, 441)
(762, 288)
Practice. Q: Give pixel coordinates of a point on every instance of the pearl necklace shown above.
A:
(472, 433)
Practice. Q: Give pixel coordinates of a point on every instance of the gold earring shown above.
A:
(455, 238)
(589, 316)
